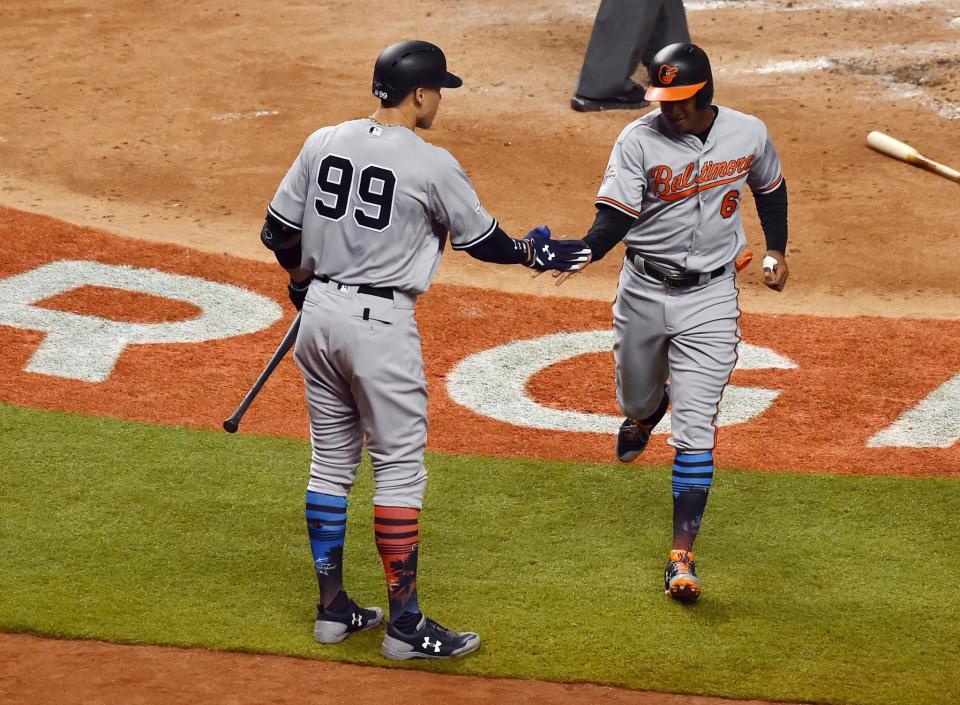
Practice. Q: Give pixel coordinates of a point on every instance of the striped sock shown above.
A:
(692, 478)
(327, 528)
(398, 538)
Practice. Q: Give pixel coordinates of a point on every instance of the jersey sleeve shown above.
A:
(765, 175)
(624, 180)
(290, 199)
(453, 202)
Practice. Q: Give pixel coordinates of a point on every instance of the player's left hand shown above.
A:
(775, 270)
(557, 255)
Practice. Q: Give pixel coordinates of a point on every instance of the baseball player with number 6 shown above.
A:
(672, 191)
(360, 222)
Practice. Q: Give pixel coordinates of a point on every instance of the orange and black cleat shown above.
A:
(680, 579)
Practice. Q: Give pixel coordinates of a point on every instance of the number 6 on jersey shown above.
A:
(728, 206)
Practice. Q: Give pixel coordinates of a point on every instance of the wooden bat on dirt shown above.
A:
(886, 144)
(231, 424)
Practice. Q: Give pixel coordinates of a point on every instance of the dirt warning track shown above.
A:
(99, 324)
(35, 671)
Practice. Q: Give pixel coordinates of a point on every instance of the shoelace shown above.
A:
(442, 631)
(636, 429)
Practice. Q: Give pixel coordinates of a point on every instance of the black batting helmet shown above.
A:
(679, 71)
(405, 66)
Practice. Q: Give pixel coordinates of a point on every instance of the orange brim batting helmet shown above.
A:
(680, 71)
(659, 93)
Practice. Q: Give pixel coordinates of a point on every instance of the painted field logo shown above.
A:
(168, 335)
(493, 383)
(85, 347)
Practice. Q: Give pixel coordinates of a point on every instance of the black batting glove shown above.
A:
(560, 255)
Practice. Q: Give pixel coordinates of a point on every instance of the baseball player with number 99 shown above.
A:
(360, 222)
(672, 191)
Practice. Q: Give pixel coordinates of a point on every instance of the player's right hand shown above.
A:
(561, 277)
(297, 292)
(558, 255)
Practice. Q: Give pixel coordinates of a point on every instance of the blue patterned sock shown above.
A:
(692, 479)
(327, 528)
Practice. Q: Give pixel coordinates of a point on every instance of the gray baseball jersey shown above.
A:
(685, 195)
(375, 204)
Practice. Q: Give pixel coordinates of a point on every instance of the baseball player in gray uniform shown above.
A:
(360, 222)
(672, 191)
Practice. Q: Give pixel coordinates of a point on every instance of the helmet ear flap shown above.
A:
(705, 96)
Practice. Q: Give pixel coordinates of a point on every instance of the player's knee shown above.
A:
(322, 485)
(642, 406)
(332, 479)
(400, 485)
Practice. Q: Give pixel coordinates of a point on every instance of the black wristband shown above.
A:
(500, 248)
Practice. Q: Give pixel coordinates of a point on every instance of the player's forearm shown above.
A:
(609, 227)
(500, 248)
(772, 209)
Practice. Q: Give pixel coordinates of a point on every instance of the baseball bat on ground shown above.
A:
(231, 424)
(886, 144)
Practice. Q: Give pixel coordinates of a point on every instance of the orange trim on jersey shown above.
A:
(680, 195)
(617, 204)
(772, 186)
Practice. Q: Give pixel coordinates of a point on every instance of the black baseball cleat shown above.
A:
(628, 100)
(333, 627)
(633, 437)
(430, 640)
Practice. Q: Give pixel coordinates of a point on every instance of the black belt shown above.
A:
(667, 277)
(382, 292)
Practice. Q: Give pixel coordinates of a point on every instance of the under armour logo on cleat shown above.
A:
(427, 644)
(356, 619)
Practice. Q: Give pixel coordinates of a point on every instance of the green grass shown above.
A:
(818, 588)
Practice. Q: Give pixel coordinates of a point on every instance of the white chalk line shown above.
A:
(233, 117)
(894, 88)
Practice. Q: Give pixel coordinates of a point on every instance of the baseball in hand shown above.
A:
(770, 262)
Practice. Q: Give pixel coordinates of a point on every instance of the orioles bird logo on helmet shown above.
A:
(668, 73)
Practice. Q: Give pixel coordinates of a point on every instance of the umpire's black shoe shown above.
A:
(430, 640)
(628, 100)
(634, 436)
(333, 627)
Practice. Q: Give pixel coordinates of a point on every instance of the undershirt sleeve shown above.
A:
(772, 209)
(609, 227)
